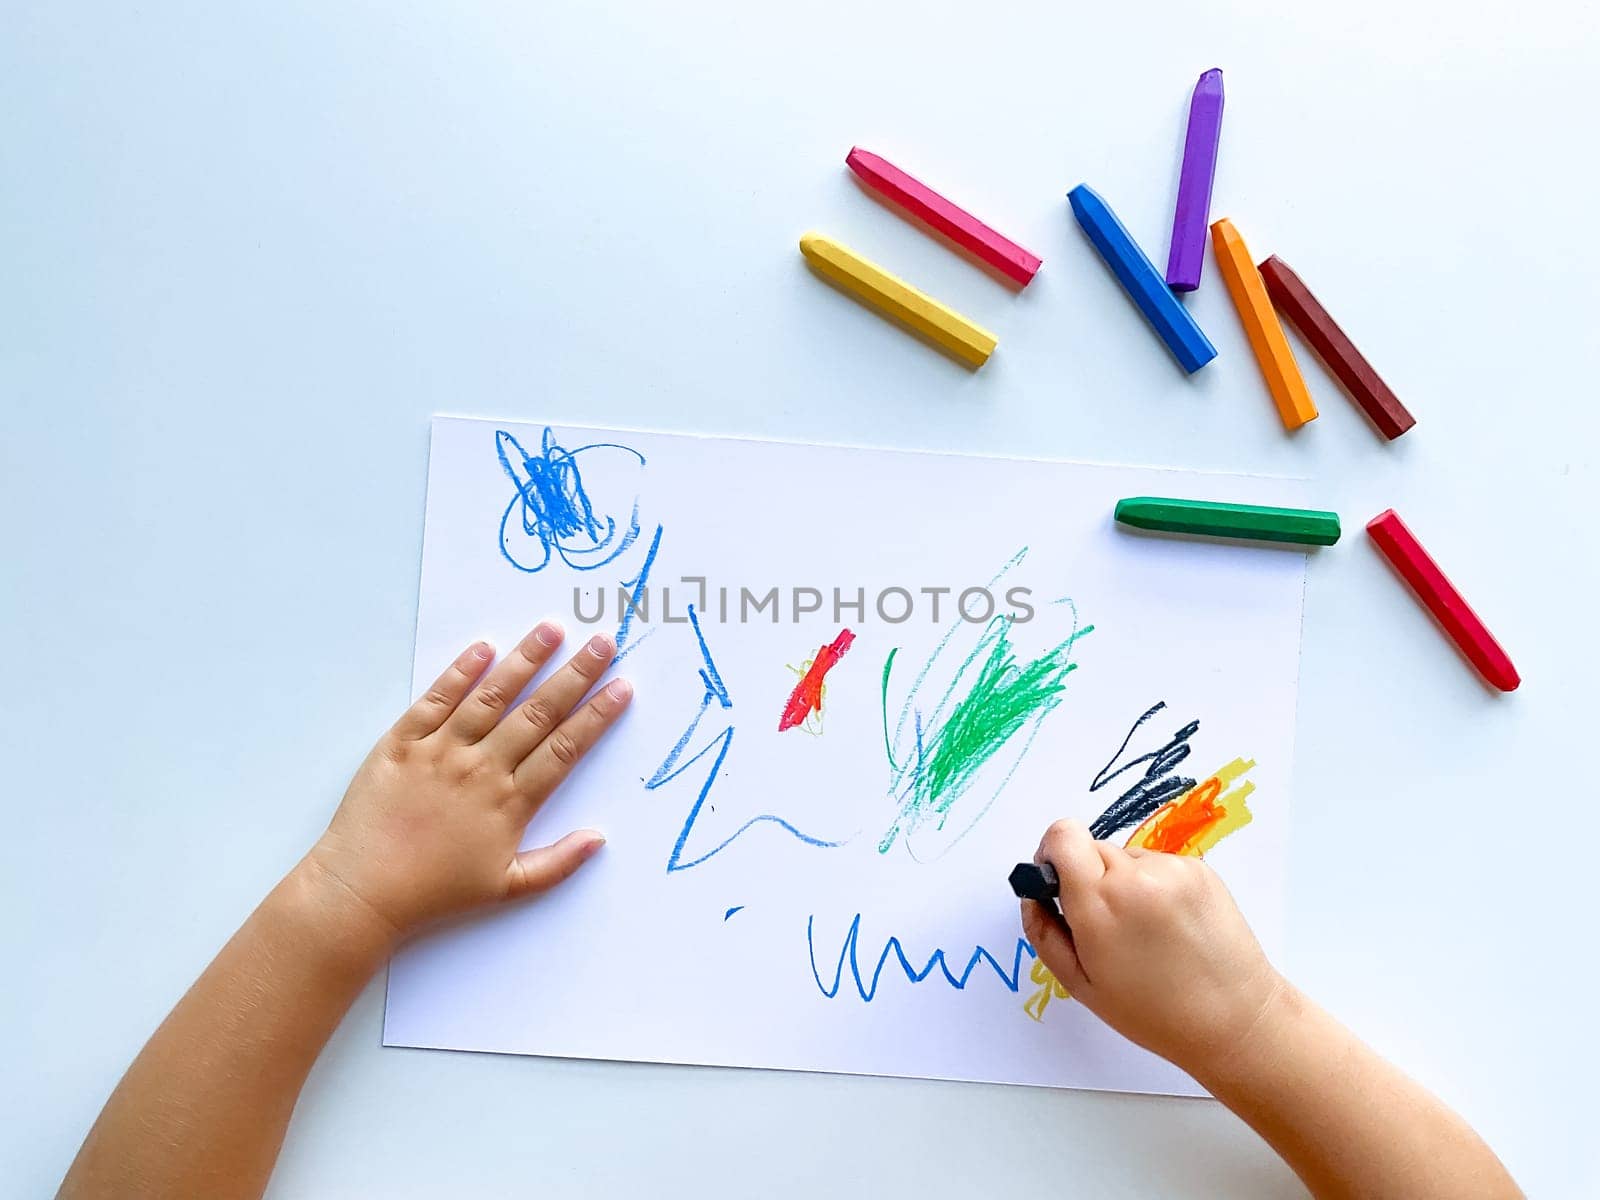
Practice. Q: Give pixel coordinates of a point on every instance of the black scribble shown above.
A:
(1155, 787)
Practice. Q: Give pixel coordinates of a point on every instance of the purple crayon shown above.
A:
(1193, 215)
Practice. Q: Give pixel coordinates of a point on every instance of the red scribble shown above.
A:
(807, 695)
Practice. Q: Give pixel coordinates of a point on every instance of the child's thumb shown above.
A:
(540, 869)
(1047, 934)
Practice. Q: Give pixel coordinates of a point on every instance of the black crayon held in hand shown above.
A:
(1035, 881)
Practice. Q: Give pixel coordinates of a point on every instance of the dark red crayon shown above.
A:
(1294, 300)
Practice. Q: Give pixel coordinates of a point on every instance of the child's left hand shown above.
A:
(431, 823)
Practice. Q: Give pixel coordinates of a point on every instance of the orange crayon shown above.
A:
(1267, 340)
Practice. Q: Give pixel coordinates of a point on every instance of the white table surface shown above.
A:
(245, 251)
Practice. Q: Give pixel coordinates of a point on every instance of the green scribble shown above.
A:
(960, 736)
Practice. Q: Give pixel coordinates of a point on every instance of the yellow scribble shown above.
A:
(1049, 987)
(1191, 824)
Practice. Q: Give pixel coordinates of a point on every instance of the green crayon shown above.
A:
(1255, 522)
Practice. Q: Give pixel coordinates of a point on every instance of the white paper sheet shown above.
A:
(715, 927)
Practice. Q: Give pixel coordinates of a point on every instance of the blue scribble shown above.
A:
(625, 642)
(715, 692)
(675, 860)
(731, 911)
(868, 989)
(551, 514)
(709, 675)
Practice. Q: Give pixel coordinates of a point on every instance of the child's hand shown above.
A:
(1158, 949)
(431, 822)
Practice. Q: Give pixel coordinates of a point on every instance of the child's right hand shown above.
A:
(1157, 949)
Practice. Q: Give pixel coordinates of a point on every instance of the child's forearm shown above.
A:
(1347, 1122)
(430, 827)
(202, 1110)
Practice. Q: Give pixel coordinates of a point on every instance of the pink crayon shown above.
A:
(956, 223)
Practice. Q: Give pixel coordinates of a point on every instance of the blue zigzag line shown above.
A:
(670, 769)
(868, 991)
(675, 860)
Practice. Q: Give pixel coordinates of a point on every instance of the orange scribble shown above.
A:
(1190, 824)
(1201, 817)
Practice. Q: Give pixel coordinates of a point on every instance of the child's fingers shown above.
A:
(534, 871)
(440, 700)
(1047, 934)
(553, 759)
(487, 703)
(1069, 847)
(537, 718)
(1114, 857)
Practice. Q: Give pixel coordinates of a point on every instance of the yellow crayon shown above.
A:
(1260, 320)
(894, 298)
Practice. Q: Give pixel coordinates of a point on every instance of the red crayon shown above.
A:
(807, 695)
(1294, 300)
(1419, 570)
(956, 223)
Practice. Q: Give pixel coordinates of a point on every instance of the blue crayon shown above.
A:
(1144, 283)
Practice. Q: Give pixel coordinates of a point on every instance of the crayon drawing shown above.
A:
(867, 986)
(1155, 785)
(850, 718)
(968, 733)
(551, 514)
(715, 692)
(804, 708)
